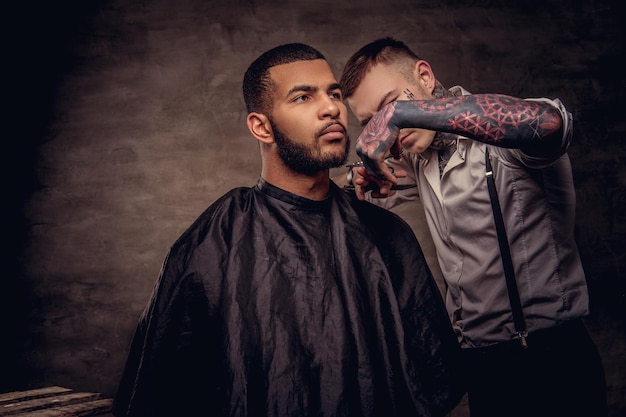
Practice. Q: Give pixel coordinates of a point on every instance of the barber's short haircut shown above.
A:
(382, 51)
(257, 82)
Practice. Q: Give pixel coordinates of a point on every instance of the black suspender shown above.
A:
(511, 285)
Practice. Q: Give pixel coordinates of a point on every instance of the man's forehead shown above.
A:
(310, 72)
(378, 83)
(377, 79)
(365, 102)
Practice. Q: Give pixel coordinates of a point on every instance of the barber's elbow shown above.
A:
(553, 145)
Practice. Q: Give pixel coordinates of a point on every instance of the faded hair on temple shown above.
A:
(386, 51)
(257, 81)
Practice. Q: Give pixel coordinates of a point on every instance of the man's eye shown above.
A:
(336, 95)
(300, 99)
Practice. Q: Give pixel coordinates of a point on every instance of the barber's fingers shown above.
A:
(378, 170)
(360, 182)
(400, 173)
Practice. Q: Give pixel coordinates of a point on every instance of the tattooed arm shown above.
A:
(496, 119)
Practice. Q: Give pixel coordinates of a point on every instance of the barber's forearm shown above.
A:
(490, 118)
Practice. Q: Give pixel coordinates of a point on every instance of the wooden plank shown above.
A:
(16, 396)
(55, 401)
(91, 408)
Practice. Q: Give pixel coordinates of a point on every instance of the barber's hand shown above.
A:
(364, 182)
(379, 136)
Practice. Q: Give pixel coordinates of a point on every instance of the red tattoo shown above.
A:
(376, 136)
(492, 117)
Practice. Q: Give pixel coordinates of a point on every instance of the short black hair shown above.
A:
(257, 82)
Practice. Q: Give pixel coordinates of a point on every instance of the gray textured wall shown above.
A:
(127, 120)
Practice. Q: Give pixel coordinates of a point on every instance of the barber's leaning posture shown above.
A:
(447, 145)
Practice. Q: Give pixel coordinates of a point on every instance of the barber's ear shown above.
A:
(260, 127)
(424, 74)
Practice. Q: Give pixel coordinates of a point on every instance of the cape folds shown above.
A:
(271, 304)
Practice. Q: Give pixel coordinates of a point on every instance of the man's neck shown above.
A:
(314, 187)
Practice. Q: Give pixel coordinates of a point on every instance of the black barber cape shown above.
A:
(271, 304)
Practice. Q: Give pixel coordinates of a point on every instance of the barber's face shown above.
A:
(382, 85)
(309, 119)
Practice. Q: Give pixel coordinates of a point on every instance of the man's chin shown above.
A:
(336, 160)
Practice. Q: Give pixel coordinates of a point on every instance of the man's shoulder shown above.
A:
(376, 217)
(225, 203)
(219, 214)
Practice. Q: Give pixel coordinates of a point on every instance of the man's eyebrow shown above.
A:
(335, 86)
(381, 103)
(301, 88)
(309, 88)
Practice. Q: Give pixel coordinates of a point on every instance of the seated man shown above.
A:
(292, 298)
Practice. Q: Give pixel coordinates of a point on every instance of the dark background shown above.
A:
(124, 120)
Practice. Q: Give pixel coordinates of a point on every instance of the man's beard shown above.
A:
(302, 158)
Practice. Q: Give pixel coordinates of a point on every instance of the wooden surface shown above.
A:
(53, 402)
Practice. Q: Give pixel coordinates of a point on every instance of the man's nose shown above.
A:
(330, 108)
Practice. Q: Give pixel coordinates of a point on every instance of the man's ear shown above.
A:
(424, 75)
(260, 127)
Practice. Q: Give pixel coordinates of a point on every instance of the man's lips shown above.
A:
(332, 132)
